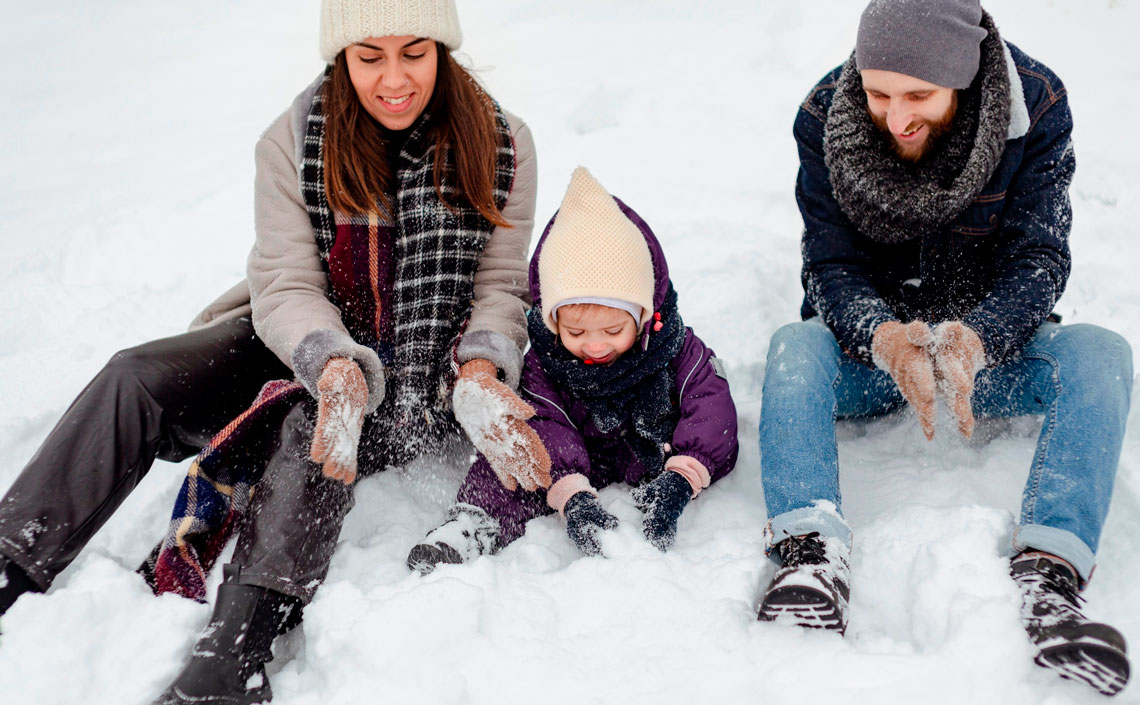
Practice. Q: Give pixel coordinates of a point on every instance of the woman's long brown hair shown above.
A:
(357, 173)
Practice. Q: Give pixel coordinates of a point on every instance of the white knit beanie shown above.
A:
(594, 251)
(346, 22)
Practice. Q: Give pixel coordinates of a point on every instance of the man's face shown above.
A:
(913, 112)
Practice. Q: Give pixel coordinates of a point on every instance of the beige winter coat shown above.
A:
(286, 288)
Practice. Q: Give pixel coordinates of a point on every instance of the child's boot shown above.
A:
(1066, 640)
(227, 665)
(469, 532)
(811, 589)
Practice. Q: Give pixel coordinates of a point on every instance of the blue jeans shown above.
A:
(1079, 377)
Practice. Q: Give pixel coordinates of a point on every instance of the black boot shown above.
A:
(13, 583)
(227, 665)
(468, 533)
(812, 588)
(1066, 640)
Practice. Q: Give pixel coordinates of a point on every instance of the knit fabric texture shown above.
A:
(892, 201)
(937, 41)
(593, 250)
(346, 22)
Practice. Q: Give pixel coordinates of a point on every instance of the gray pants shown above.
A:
(163, 399)
(290, 532)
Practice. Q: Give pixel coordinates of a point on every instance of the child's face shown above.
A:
(596, 334)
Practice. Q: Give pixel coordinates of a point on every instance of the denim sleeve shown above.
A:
(1033, 261)
(835, 268)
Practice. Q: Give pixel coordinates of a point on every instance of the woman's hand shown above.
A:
(494, 418)
(342, 395)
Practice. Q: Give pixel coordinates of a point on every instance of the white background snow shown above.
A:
(128, 130)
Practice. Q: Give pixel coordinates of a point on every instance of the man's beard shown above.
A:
(936, 131)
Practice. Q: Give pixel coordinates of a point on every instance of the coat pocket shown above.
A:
(982, 217)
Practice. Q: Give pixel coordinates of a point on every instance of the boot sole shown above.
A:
(424, 557)
(175, 696)
(802, 607)
(1104, 668)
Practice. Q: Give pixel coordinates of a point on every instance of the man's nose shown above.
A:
(899, 117)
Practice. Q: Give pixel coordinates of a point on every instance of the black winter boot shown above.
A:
(1066, 640)
(227, 665)
(468, 533)
(811, 589)
(662, 501)
(13, 583)
(585, 518)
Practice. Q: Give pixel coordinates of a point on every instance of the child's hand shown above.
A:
(585, 518)
(494, 418)
(663, 500)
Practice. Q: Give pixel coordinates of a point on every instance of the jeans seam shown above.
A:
(834, 420)
(1049, 426)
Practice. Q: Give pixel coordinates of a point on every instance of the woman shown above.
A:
(394, 204)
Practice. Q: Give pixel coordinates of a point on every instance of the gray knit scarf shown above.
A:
(892, 201)
(438, 248)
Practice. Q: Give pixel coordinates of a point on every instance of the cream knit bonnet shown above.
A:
(594, 252)
(346, 22)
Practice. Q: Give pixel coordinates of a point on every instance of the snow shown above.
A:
(129, 131)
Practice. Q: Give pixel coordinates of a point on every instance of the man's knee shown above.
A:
(801, 346)
(1092, 353)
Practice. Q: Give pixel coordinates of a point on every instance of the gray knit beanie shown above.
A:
(938, 41)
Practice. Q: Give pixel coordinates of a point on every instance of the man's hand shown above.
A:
(958, 357)
(342, 395)
(904, 351)
(494, 418)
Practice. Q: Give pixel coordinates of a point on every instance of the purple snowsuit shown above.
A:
(706, 430)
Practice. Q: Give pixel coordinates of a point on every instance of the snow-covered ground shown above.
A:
(128, 131)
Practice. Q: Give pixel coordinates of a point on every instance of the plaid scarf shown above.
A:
(636, 389)
(437, 251)
(215, 494)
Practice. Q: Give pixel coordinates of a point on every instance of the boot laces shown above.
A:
(1051, 594)
(803, 550)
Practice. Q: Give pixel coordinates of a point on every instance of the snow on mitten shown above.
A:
(342, 396)
(905, 353)
(494, 418)
(958, 357)
(662, 501)
(585, 518)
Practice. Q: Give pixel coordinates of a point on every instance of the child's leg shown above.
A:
(512, 509)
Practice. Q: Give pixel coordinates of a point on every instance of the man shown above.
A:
(934, 175)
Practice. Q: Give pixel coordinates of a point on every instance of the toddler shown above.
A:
(614, 388)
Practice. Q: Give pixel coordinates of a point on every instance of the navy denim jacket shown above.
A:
(999, 267)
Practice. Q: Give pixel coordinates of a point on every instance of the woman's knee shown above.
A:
(141, 364)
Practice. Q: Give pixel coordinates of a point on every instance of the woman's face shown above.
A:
(394, 77)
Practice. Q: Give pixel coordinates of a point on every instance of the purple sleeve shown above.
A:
(553, 423)
(707, 429)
